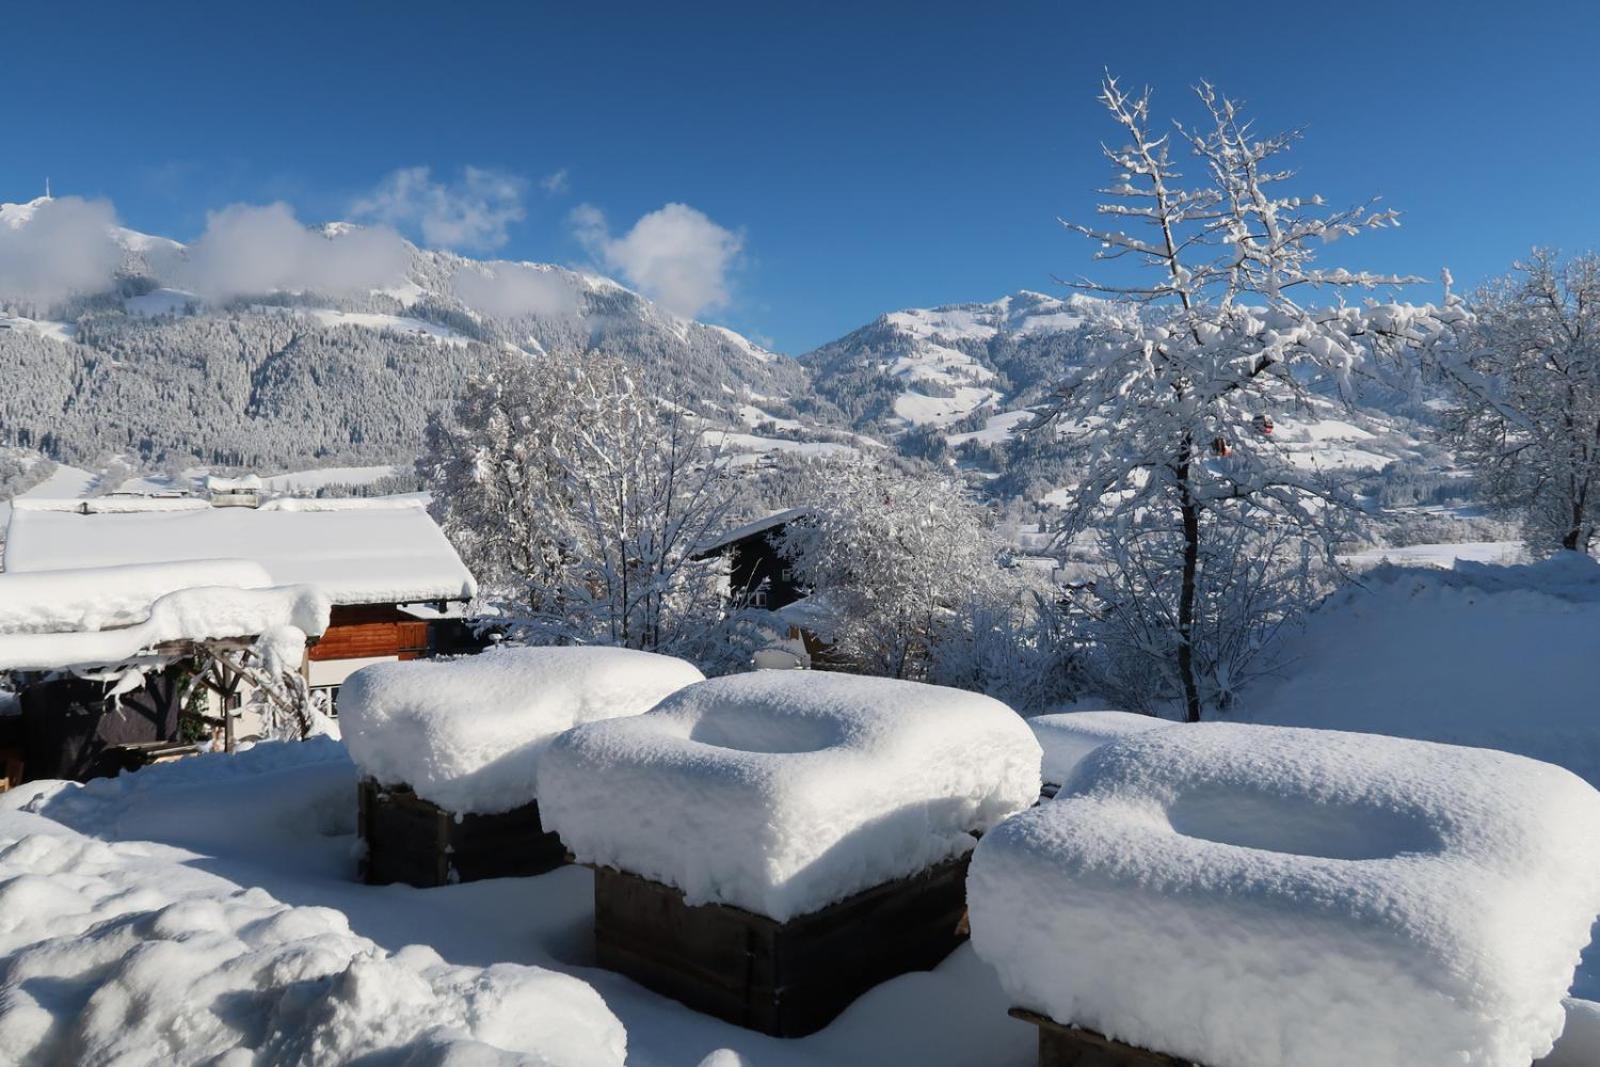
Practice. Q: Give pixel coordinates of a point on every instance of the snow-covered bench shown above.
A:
(1247, 896)
(769, 845)
(1068, 737)
(448, 751)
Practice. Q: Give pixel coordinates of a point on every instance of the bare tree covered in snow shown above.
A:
(577, 498)
(909, 568)
(1527, 413)
(1167, 416)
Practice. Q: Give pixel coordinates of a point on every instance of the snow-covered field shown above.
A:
(219, 893)
(281, 818)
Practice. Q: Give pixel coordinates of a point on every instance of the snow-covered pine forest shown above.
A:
(1216, 635)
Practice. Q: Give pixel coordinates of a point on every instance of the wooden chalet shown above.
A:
(760, 577)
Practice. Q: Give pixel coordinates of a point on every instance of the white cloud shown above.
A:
(556, 184)
(472, 213)
(249, 249)
(511, 290)
(58, 248)
(676, 255)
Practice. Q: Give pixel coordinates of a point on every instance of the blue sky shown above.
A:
(866, 157)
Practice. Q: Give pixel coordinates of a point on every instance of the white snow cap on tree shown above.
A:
(1235, 321)
(1259, 896)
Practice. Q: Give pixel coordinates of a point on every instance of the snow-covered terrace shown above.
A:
(372, 551)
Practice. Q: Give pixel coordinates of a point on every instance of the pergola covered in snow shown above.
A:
(370, 559)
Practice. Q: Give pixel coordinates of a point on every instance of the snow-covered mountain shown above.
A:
(939, 366)
(955, 383)
(299, 375)
(178, 363)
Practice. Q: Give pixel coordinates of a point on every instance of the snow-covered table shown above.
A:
(823, 819)
(449, 752)
(1247, 896)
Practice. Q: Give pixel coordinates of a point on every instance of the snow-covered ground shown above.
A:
(281, 817)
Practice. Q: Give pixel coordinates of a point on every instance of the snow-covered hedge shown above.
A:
(110, 955)
(1256, 896)
(466, 733)
(781, 792)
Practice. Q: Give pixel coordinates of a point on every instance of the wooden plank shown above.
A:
(787, 979)
(370, 640)
(1073, 1046)
(407, 839)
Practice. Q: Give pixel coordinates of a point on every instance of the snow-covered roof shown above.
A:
(366, 551)
(204, 613)
(749, 529)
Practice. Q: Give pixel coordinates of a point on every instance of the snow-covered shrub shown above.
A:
(1248, 589)
(1009, 641)
(896, 551)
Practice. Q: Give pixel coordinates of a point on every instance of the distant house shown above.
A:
(760, 577)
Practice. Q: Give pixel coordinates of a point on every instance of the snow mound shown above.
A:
(201, 614)
(1489, 655)
(781, 792)
(98, 598)
(1068, 737)
(109, 957)
(466, 733)
(1253, 896)
(1580, 1041)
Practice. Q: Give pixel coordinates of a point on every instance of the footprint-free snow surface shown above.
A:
(781, 792)
(1251, 896)
(281, 817)
(466, 733)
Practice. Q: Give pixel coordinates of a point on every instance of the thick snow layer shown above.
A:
(1251, 897)
(1580, 1041)
(279, 816)
(109, 955)
(97, 598)
(355, 552)
(1068, 737)
(781, 792)
(1496, 656)
(109, 505)
(466, 733)
(206, 613)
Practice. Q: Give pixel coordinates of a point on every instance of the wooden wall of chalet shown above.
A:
(362, 631)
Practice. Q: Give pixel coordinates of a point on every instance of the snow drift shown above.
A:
(108, 955)
(1253, 897)
(781, 792)
(466, 733)
(1490, 655)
